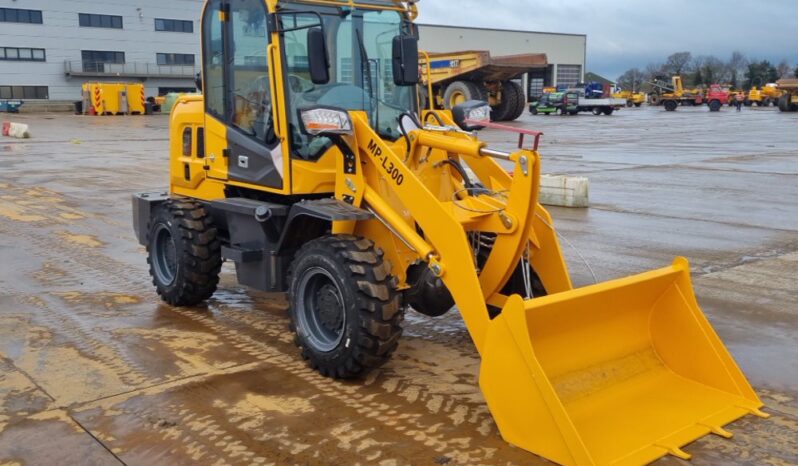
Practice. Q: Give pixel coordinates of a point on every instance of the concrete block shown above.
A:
(16, 130)
(564, 191)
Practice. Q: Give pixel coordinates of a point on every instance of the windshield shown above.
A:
(359, 44)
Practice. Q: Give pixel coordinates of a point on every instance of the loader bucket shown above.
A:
(622, 372)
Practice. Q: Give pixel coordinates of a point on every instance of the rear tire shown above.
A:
(520, 100)
(461, 91)
(512, 101)
(714, 106)
(670, 105)
(533, 110)
(638, 104)
(344, 308)
(183, 252)
(607, 111)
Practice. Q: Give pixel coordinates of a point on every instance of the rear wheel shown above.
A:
(512, 103)
(670, 105)
(654, 99)
(714, 106)
(533, 110)
(638, 104)
(461, 91)
(183, 252)
(344, 307)
(607, 110)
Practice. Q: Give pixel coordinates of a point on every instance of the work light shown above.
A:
(325, 120)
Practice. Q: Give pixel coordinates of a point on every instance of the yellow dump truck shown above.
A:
(788, 101)
(763, 96)
(458, 77)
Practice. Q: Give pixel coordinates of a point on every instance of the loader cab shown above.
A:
(261, 70)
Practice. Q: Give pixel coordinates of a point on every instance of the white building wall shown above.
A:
(63, 39)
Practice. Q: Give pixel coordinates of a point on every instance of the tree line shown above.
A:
(738, 71)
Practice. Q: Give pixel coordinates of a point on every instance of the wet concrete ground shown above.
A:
(95, 370)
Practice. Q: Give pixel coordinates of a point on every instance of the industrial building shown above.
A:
(48, 48)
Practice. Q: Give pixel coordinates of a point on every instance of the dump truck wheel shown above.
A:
(459, 92)
(520, 100)
(638, 104)
(511, 100)
(714, 106)
(344, 307)
(183, 252)
(670, 105)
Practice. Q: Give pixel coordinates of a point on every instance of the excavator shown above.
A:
(308, 163)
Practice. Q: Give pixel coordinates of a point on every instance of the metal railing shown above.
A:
(132, 70)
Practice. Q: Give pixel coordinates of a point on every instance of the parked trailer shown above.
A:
(788, 102)
(475, 75)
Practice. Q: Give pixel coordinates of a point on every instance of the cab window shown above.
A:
(251, 89)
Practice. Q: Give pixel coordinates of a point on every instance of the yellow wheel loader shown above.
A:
(307, 162)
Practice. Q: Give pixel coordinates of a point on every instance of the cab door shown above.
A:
(242, 146)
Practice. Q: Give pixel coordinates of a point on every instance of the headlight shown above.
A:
(325, 120)
(468, 114)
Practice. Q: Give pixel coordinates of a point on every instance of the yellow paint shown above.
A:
(70, 216)
(286, 405)
(83, 240)
(16, 213)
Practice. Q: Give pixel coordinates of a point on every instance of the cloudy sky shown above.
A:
(626, 33)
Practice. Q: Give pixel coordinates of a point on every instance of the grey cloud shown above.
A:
(623, 34)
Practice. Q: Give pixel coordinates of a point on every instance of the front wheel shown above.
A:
(596, 111)
(670, 105)
(344, 307)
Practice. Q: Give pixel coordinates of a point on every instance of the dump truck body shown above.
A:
(337, 189)
(460, 76)
(788, 101)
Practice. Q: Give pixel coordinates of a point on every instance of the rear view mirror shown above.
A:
(317, 56)
(405, 60)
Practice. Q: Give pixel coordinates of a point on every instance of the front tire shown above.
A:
(344, 307)
(183, 252)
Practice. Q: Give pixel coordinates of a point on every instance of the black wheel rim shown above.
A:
(320, 310)
(164, 255)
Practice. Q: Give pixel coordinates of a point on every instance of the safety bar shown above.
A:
(521, 132)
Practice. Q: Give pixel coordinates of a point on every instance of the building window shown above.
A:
(569, 75)
(99, 21)
(21, 54)
(24, 92)
(95, 60)
(182, 59)
(173, 25)
(16, 15)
